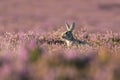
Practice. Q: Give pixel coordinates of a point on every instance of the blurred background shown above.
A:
(46, 15)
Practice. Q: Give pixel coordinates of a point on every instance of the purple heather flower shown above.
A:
(32, 45)
(71, 54)
(5, 69)
(22, 53)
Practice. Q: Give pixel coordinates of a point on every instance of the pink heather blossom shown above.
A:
(22, 53)
(71, 54)
(5, 70)
(32, 45)
(93, 37)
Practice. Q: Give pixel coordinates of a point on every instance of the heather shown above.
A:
(37, 56)
(31, 47)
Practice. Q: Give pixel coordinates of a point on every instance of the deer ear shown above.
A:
(67, 26)
(72, 26)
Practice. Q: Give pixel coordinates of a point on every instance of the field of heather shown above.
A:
(34, 44)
